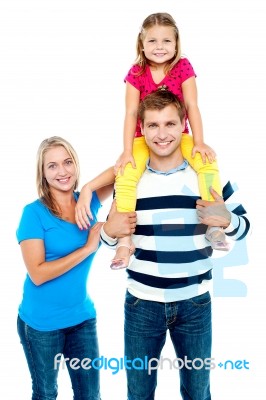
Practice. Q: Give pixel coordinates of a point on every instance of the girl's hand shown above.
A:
(82, 209)
(125, 158)
(94, 237)
(205, 151)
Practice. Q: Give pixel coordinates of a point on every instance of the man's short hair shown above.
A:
(158, 101)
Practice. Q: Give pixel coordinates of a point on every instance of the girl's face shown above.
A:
(159, 44)
(59, 169)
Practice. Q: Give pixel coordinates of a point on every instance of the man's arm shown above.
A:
(118, 224)
(230, 215)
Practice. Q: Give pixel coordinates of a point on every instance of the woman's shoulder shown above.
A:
(34, 205)
(35, 209)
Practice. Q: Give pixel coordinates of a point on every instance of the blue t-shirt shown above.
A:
(63, 301)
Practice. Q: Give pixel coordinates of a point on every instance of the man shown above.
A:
(169, 276)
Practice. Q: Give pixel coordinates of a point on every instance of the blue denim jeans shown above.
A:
(43, 349)
(189, 324)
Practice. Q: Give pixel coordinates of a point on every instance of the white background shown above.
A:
(61, 73)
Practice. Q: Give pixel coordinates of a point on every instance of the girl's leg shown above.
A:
(126, 195)
(208, 175)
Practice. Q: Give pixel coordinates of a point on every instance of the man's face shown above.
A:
(162, 130)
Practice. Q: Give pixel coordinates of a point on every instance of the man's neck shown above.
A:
(164, 164)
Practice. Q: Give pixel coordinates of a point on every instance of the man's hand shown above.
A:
(213, 213)
(120, 224)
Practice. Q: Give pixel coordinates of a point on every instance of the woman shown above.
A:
(57, 316)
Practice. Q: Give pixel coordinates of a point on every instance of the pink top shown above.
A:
(145, 84)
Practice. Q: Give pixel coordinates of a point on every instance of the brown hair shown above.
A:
(158, 100)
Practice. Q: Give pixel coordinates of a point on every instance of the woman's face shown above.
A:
(59, 169)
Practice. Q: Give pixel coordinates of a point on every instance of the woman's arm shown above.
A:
(105, 192)
(103, 185)
(41, 271)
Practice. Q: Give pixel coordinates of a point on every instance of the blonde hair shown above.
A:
(43, 188)
(161, 19)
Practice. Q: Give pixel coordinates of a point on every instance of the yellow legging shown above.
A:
(126, 184)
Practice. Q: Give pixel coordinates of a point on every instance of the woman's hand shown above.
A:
(94, 237)
(82, 209)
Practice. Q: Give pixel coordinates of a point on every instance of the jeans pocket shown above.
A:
(131, 300)
(201, 300)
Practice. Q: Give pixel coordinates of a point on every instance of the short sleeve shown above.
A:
(30, 226)
(133, 77)
(185, 69)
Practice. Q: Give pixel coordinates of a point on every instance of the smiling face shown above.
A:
(159, 44)
(163, 131)
(59, 169)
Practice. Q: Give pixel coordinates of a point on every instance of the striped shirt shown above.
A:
(172, 260)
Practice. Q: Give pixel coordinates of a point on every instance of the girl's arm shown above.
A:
(130, 122)
(103, 185)
(190, 95)
(41, 271)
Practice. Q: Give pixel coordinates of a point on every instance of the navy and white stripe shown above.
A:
(172, 258)
(240, 224)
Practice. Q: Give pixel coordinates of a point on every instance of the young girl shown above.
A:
(159, 65)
